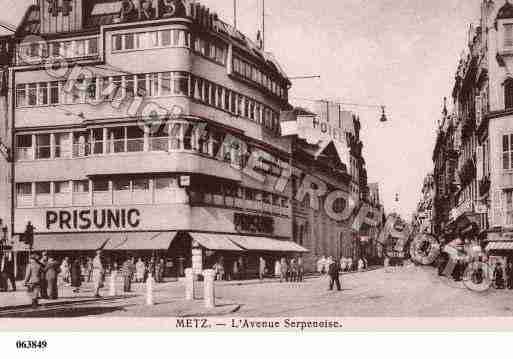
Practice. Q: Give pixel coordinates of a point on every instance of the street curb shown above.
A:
(56, 304)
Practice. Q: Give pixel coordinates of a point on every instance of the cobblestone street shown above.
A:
(395, 292)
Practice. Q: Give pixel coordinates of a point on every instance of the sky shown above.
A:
(399, 53)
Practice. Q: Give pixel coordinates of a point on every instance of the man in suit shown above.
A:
(44, 284)
(334, 273)
(33, 276)
(7, 270)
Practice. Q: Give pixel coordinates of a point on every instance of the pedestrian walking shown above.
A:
(320, 265)
(300, 269)
(498, 276)
(284, 270)
(152, 267)
(98, 273)
(235, 270)
(52, 270)
(343, 264)
(127, 272)
(277, 269)
(33, 278)
(261, 268)
(76, 275)
(293, 270)
(159, 270)
(43, 284)
(220, 268)
(7, 271)
(65, 270)
(509, 274)
(140, 269)
(361, 265)
(350, 264)
(334, 273)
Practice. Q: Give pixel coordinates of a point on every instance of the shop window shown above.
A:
(188, 136)
(93, 46)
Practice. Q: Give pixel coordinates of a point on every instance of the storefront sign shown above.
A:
(253, 223)
(96, 219)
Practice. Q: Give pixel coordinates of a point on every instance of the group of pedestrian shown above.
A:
(41, 277)
(503, 276)
(346, 264)
(289, 270)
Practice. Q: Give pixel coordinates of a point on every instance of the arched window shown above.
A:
(508, 93)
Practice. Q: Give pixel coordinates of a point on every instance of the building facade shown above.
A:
(153, 127)
(423, 217)
(480, 132)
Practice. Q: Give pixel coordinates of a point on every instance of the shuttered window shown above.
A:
(508, 35)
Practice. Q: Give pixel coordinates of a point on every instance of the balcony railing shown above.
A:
(159, 144)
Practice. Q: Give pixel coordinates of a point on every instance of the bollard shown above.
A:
(208, 288)
(149, 290)
(112, 283)
(189, 284)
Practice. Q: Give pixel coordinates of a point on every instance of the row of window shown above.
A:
(139, 190)
(252, 73)
(119, 88)
(170, 38)
(35, 51)
(169, 137)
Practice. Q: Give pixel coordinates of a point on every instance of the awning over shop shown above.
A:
(68, 242)
(497, 246)
(266, 244)
(215, 242)
(140, 241)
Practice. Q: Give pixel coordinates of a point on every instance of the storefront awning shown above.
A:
(68, 242)
(140, 241)
(215, 242)
(497, 246)
(266, 244)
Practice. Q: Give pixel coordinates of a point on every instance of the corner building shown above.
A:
(138, 141)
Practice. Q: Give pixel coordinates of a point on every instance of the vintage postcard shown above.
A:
(256, 165)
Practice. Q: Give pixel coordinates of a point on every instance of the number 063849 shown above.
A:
(31, 344)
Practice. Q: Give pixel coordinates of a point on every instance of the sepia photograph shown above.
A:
(251, 164)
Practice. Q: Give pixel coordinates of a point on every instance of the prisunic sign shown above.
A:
(96, 219)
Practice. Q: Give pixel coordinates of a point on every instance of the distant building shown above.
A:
(423, 217)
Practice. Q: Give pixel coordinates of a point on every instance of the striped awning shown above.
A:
(498, 246)
(266, 244)
(140, 241)
(215, 242)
